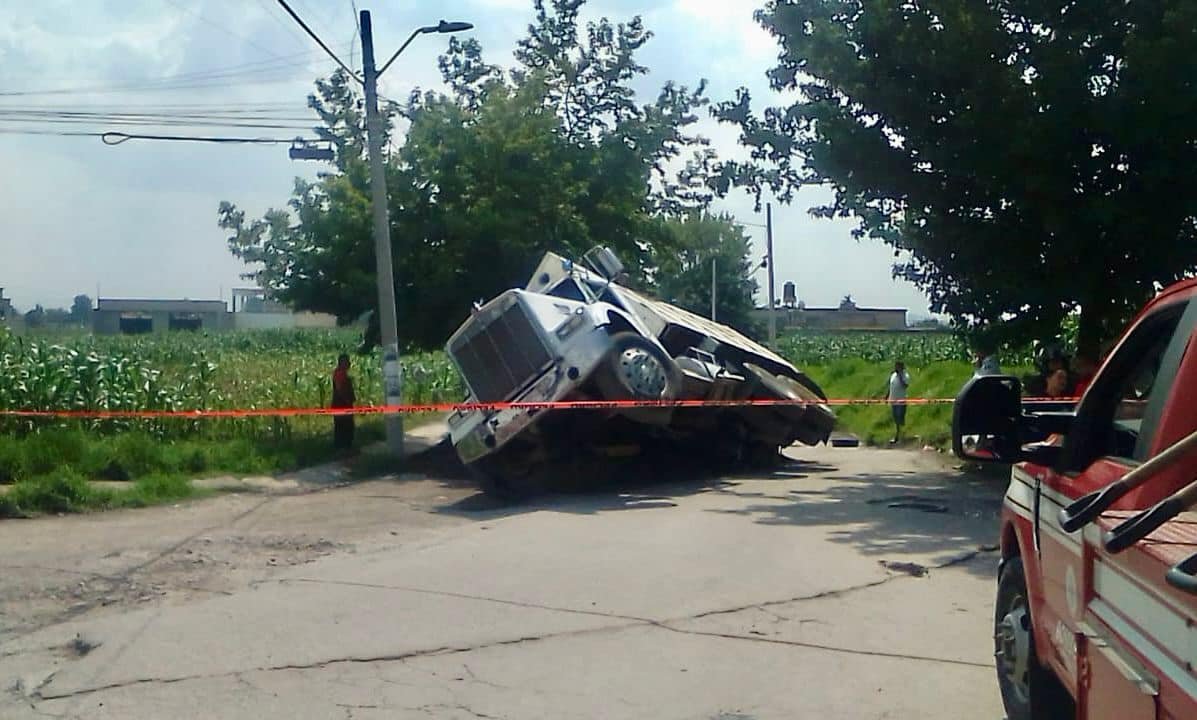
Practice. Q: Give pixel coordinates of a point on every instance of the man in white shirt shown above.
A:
(985, 361)
(899, 380)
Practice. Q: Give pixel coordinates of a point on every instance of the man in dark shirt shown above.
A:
(342, 397)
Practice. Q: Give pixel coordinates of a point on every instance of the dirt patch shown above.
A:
(59, 568)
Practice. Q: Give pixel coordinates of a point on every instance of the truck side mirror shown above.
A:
(986, 419)
(604, 262)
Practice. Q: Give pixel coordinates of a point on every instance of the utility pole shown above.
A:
(769, 261)
(713, 261)
(392, 373)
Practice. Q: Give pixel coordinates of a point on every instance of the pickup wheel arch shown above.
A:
(1029, 690)
(1009, 542)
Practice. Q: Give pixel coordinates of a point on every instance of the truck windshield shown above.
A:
(570, 290)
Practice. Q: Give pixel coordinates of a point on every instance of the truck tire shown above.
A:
(1029, 690)
(504, 477)
(638, 369)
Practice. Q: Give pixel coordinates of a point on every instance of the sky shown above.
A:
(139, 219)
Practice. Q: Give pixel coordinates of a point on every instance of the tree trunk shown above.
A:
(1091, 328)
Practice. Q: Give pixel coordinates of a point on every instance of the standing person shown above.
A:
(899, 380)
(1057, 380)
(342, 397)
(985, 361)
(1085, 365)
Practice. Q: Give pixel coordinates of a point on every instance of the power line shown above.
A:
(327, 15)
(269, 8)
(82, 115)
(158, 107)
(59, 133)
(357, 29)
(116, 138)
(259, 67)
(164, 123)
(316, 37)
(191, 84)
(220, 27)
(181, 82)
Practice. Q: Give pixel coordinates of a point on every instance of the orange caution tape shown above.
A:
(465, 407)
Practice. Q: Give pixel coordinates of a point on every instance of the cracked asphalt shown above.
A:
(824, 589)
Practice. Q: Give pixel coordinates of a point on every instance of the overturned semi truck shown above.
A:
(575, 333)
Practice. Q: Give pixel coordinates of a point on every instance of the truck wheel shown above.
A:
(506, 479)
(1029, 691)
(637, 369)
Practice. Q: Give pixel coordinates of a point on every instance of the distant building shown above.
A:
(6, 311)
(9, 317)
(255, 300)
(794, 315)
(254, 309)
(132, 317)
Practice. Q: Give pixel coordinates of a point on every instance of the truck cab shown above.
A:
(646, 370)
(1096, 610)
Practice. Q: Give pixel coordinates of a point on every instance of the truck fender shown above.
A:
(616, 320)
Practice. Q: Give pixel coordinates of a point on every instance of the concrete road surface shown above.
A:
(848, 584)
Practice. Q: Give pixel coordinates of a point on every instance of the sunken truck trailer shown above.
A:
(575, 333)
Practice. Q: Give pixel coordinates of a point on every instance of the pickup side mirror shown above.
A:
(989, 423)
(986, 418)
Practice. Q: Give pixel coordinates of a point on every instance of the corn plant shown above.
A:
(189, 371)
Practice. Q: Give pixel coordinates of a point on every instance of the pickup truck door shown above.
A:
(1114, 431)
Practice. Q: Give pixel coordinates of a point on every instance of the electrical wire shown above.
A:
(316, 37)
(270, 9)
(169, 123)
(220, 27)
(221, 108)
(116, 138)
(89, 116)
(168, 84)
(357, 28)
(188, 80)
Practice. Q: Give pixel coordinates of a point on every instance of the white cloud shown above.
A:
(140, 219)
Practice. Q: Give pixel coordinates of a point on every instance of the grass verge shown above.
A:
(873, 424)
(66, 490)
(51, 470)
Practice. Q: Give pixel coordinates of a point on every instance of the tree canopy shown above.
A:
(1024, 159)
(553, 154)
(683, 269)
(80, 312)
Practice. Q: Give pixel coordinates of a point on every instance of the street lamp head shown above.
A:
(451, 27)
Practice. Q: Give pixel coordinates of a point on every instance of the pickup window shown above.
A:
(1136, 390)
(1119, 419)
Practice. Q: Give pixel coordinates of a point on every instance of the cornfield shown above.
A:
(820, 348)
(183, 371)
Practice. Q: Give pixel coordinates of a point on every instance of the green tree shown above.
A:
(36, 317)
(682, 263)
(80, 313)
(1025, 159)
(552, 155)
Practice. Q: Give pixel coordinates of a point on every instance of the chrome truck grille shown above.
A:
(500, 357)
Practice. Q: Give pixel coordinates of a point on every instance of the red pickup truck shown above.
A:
(1096, 610)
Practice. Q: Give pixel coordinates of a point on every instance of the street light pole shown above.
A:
(392, 373)
(769, 260)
